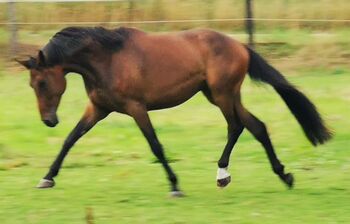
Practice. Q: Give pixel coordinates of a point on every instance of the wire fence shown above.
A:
(14, 22)
(174, 21)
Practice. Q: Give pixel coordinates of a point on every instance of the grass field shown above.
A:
(110, 176)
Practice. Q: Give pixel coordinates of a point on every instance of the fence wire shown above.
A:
(173, 21)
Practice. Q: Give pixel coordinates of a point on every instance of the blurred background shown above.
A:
(110, 176)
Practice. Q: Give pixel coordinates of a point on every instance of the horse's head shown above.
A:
(49, 84)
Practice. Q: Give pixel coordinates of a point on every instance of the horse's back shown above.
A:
(194, 48)
(165, 70)
(226, 59)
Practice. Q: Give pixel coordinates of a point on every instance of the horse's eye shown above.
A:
(42, 84)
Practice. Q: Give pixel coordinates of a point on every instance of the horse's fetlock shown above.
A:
(222, 164)
(173, 179)
(279, 170)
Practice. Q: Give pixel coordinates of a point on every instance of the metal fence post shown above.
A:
(250, 22)
(12, 28)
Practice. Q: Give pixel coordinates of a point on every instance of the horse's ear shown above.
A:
(41, 59)
(28, 64)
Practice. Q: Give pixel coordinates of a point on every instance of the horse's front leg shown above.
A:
(140, 115)
(91, 116)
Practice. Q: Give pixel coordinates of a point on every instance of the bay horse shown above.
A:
(130, 71)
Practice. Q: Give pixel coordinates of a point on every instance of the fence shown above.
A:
(247, 18)
(13, 24)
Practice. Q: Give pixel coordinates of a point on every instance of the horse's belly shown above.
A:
(173, 94)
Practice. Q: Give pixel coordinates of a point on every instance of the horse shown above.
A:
(130, 71)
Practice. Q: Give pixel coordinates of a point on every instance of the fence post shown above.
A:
(250, 22)
(12, 28)
(131, 10)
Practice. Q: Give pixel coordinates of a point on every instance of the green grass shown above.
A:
(110, 174)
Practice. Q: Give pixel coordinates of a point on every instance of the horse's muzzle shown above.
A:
(51, 122)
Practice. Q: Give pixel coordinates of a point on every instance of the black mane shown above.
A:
(67, 42)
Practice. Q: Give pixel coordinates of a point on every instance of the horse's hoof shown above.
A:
(44, 183)
(176, 194)
(288, 179)
(223, 182)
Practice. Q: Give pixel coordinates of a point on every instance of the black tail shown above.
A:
(301, 107)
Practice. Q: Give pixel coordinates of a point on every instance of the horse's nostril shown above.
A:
(50, 123)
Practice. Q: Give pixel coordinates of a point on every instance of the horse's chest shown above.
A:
(102, 98)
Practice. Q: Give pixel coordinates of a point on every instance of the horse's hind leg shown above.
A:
(234, 129)
(258, 129)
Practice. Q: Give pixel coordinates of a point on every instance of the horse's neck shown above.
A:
(90, 75)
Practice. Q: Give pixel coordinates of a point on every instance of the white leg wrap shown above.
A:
(222, 173)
